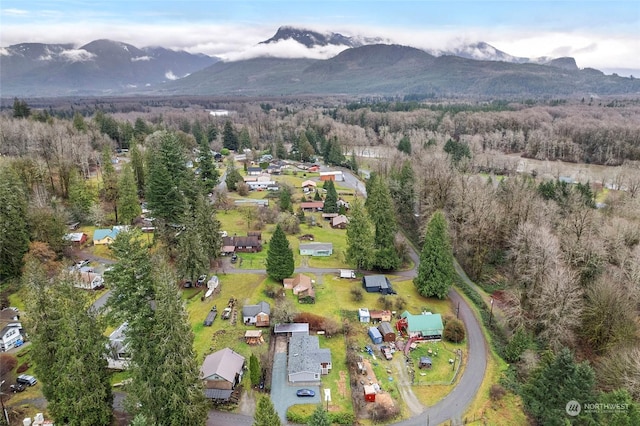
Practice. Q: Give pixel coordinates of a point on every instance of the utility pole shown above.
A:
(4, 410)
(491, 312)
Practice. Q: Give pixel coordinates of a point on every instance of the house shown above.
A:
(298, 283)
(88, 280)
(306, 360)
(76, 238)
(387, 332)
(369, 393)
(105, 236)
(260, 185)
(363, 315)
(312, 206)
(222, 369)
(329, 216)
(256, 234)
(257, 315)
(274, 169)
(342, 203)
(307, 295)
(316, 249)
(11, 336)
(309, 184)
(253, 337)
(292, 329)
(377, 284)
(375, 335)
(426, 325)
(334, 176)
(378, 316)
(314, 168)
(118, 355)
(347, 273)
(425, 362)
(339, 222)
(243, 244)
(254, 171)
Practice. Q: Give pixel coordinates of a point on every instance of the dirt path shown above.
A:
(247, 404)
(404, 385)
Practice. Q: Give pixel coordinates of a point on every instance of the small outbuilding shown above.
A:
(316, 249)
(387, 332)
(253, 337)
(363, 315)
(369, 393)
(425, 362)
(375, 335)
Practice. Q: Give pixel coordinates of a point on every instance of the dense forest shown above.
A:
(560, 259)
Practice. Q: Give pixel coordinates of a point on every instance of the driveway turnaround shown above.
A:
(283, 394)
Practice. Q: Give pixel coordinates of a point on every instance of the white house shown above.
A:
(11, 336)
(118, 355)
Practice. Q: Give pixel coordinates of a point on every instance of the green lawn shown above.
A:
(441, 370)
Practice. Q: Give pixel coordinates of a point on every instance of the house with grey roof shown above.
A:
(377, 284)
(307, 361)
(257, 315)
(118, 355)
(222, 369)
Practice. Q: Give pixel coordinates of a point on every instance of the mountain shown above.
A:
(311, 39)
(394, 70)
(101, 66)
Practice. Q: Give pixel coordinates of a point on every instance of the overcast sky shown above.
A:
(599, 34)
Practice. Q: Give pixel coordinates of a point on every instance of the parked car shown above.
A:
(234, 258)
(16, 388)
(187, 284)
(25, 379)
(201, 280)
(305, 392)
(82, 263)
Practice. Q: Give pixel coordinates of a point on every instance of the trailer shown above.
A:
(208, 321)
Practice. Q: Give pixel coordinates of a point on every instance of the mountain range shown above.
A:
(363, 66)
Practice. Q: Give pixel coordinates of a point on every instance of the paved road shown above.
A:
(451, 408)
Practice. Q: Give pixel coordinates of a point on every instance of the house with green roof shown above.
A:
(425, 325)
(105, 236)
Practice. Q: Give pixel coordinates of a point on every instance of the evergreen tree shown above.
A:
(280, 263)
(333, 152)
(140, 130)
(209, 176)
(331, 199)
(69, 350)
(402, 191)
(128, 196)
(109, 181)
(254, 370)
(168, 186)
(14, 231)
(166, 385)
(405, 145)
(20, 109)
(81, 197)
(353, 163)
(233, 178)
(244, 140)
(208, 227)
(265, 414)
(558, 380)
(137, 164)
(380, 209)
(281, 152)
(320, 417)
(359, 237)
(435, 272)
(317, 196)
(192, 259)
(628, 417)
(78, 122)
(229, 136)
(284, 200)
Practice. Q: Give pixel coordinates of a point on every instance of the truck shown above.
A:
(386, 352)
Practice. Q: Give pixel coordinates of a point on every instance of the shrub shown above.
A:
(356, 294)
(400, 304)
(7, 363)
(454, 331)
(383, 414)
(496, 392)
(23, 367)
(242, 189)
(385, 302)
(342, 418)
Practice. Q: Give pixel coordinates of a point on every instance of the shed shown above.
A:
(375, 335)
(339, 222)
(425, 362)
(369, 393)
(377, 284)
(253, 337)
(291, 329)
(388, 335)
(363, 315)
